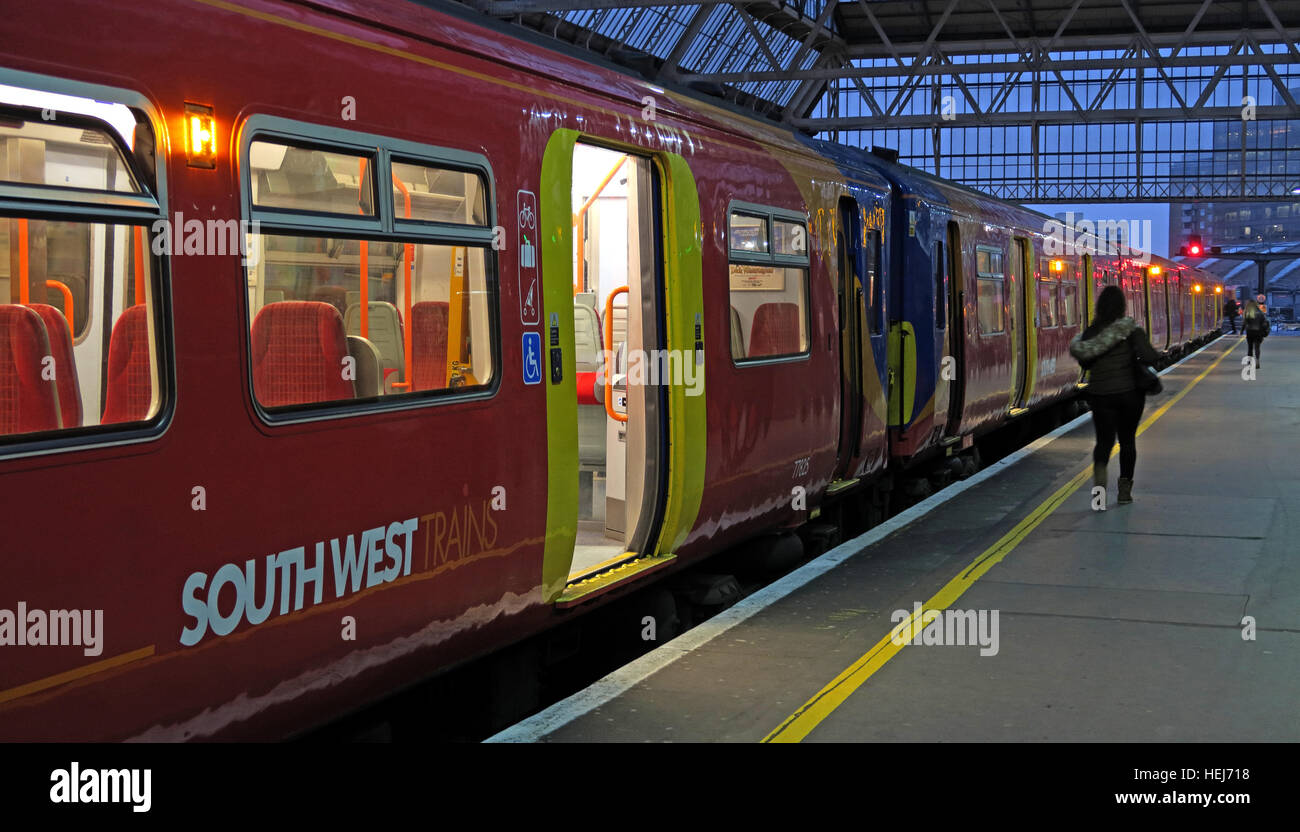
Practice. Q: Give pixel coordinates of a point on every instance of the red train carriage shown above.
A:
(336, 345)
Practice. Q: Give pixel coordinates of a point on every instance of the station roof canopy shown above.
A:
(781, 56)
(1031, 100)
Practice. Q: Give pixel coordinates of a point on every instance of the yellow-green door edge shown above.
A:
(684, 326)
(683, 306)
(555, 218)
(1030, 290)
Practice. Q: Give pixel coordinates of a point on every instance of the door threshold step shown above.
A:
(594, 584)
(841, 485)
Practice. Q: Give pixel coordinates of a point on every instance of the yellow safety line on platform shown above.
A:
(802, 722)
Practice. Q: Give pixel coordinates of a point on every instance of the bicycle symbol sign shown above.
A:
(530, 289)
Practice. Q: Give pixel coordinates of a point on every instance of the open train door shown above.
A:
(622, 331)
(848, 238)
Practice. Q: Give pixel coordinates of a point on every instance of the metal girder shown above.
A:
(685, 40)
(1116, 116)
(1072, 43)
(513, 8)
(1040, 63)
(805, 96)
(775, 12)
(1074, 191)
(1273, 76)
(758, 36)
(802, 51)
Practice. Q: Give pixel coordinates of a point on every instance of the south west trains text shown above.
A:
(377, 556)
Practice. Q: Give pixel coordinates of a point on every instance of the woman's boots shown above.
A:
(1125, 483)
(1125, 490)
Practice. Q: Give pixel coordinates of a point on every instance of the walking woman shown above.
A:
(1255, 325)
(1108, 349)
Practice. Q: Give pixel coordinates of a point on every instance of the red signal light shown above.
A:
(1194, 249)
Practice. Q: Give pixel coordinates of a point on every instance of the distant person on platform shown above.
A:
(1109, 349)
(1255, 325)
(1230, 311)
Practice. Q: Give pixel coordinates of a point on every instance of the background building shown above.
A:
(1245, 150)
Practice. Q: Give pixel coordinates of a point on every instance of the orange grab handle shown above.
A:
(609, 356)
(23, 266)
(67, 302)
(138, 261)
(364, 264)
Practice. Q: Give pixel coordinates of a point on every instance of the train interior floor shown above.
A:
(1174, 618)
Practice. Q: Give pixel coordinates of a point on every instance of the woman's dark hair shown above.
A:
(1109, 309)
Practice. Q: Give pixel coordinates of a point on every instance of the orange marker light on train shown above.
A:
(1218, 290)
(1197, 287)
(201, 136)
(1058, 265)
(1156, 271)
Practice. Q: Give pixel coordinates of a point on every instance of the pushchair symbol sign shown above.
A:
(529, 289)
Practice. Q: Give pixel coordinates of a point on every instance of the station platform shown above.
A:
(1175, 618)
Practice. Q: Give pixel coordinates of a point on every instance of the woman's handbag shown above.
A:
(1144, 375)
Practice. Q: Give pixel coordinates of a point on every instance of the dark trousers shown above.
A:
(1117, 414)
(1252, 344)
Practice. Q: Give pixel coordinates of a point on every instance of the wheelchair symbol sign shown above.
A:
(532, 358)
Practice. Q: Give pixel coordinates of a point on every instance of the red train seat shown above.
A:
(298, 350)
(65, 366)
(130, 390)
(429, 345)
(28, 402)
(775, 330)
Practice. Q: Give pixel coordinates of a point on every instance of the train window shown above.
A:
(988, 261)
(77, 154)
(430, 194)
(769, 291)
(990, 305)
(789, 238)
(991, 289)
(875, 279)
(1069, 300)
(1047, 291)
(314, 285)
(389, 309)
(80, 307)
(68, 256)
(748, 233)
(308, 179)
